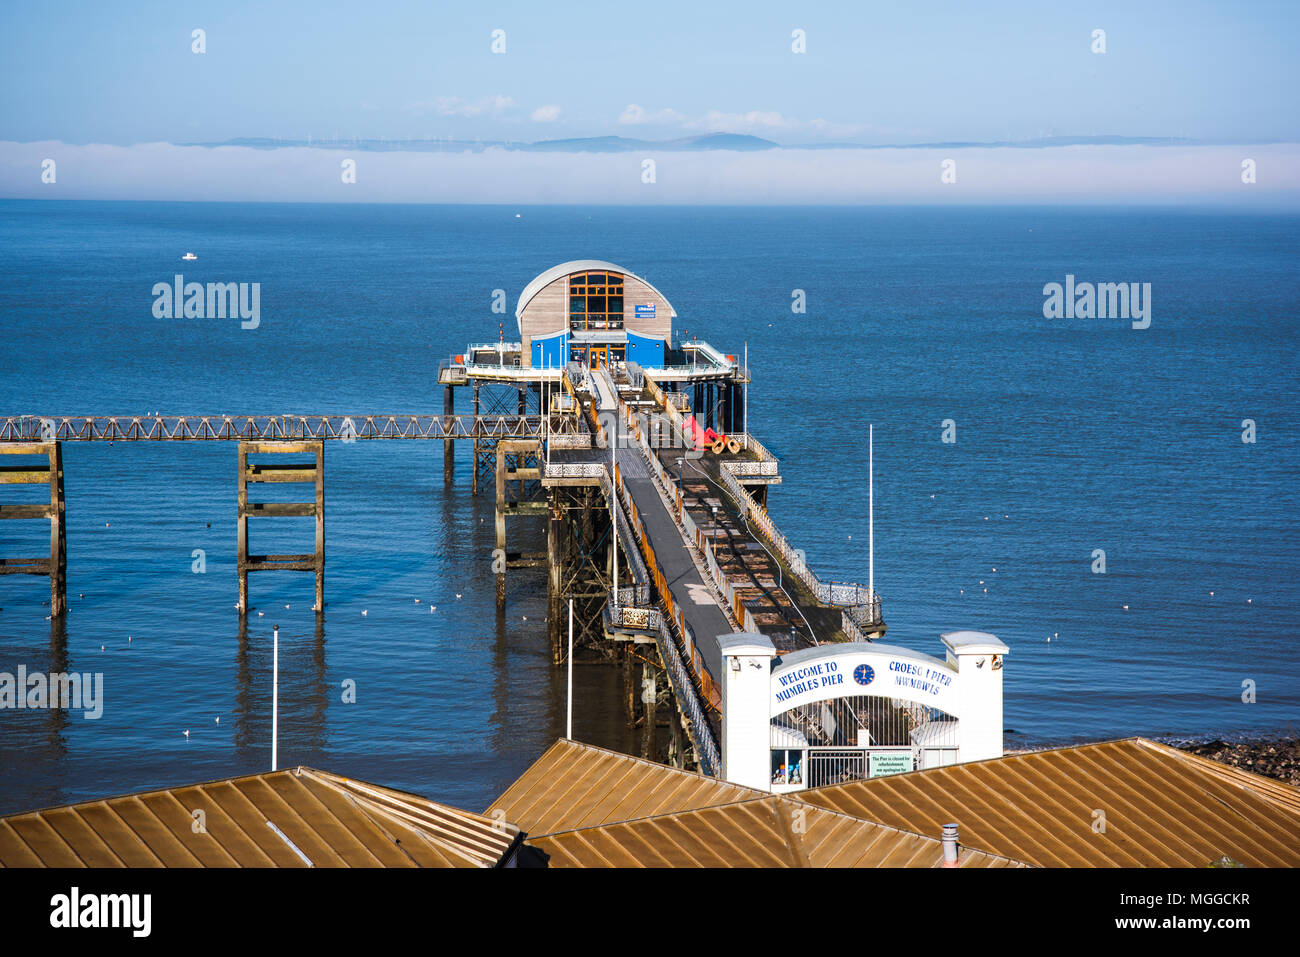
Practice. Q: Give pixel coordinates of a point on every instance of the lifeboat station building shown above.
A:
(595, 313)
(599, 315)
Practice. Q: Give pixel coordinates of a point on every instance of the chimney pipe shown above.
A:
(950, 845)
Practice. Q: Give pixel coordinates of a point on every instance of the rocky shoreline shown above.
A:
(1276, 758)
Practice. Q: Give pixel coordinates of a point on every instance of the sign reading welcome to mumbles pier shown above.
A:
(845, 671)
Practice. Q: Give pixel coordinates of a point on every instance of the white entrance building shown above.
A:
(856, 710)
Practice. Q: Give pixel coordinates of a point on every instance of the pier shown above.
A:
(626, 440)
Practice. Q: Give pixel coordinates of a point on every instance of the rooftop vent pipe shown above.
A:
(950, 845)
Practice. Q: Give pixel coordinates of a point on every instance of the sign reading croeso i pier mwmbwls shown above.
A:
(835, 671)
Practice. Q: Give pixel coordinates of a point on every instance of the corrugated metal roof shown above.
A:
(763, 832)
(577, 785)
(1163, 807)
(280, 819)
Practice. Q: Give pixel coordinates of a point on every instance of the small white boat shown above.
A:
(189, 256)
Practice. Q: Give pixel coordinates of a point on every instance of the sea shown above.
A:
(1119, 505)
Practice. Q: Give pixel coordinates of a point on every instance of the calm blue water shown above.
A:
(1072, 435)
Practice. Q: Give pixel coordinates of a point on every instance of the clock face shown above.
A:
(864, 674)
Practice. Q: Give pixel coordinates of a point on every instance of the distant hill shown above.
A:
(699, 143)
(583, 144)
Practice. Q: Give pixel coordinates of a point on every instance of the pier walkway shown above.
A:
(717, 563)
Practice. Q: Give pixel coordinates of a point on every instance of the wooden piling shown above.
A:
(499, 557)
(52, 474)
(448, 445)
(474, 457)
(300, 472)
(554, 601)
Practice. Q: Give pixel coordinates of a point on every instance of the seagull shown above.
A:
(128, 639)
(218, 721)
(457, 594)
(1211, 594)
(1126, 607)
(364, 613)
(187, 732)
(260, 614)
(1248, 601)
(931, 496)
(286, 607)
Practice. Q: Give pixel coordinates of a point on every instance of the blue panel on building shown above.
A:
(646, 351)
(549, 352)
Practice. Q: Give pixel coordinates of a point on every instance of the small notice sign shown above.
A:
(882, 763)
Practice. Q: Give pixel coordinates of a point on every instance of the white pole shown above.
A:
(871, 512)
(275, 699)
(745, 386)
(568, 727)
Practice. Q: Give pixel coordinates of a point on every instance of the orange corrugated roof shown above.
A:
(1163, 807)
(577, 785)
(332, 820)
(764, 832)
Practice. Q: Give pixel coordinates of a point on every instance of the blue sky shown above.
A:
(91, 72)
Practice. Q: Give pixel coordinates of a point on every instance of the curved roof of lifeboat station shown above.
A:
(578, 265)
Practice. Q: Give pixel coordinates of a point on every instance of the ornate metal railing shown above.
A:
(199, 428)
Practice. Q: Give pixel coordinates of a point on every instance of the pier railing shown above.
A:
(272, 428)
(862, 606)
(764, 462)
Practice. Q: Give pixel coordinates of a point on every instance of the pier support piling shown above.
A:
(554, 568)
(280, 472)
(448, 445)
(52, 474)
